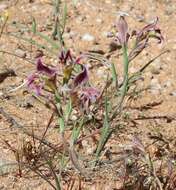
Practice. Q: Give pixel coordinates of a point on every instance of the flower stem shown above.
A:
(124, 87)
(125, 75)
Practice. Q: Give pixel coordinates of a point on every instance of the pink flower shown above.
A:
(81, 78)
(143, 36)
(149, 31)
(88, 95)
(34, 84)
(42, 68)
(65, 56)
(122, 28)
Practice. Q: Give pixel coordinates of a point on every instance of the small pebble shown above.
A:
(90, 150)
(154, 81)
(167, 84)
(88, 37)
(3, 7)
(155, 87)
(170, 10)
(173, 93)
(156, 67)
(101, 72)
(99, 20)
(155, 71)
(108, 34)
(74, 117)
(140, 18)
(20, 53)
(85, 143)
(108, 1)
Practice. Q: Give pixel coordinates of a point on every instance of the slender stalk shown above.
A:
(114, 75)
(6, 17)
(125, 77)
(56, 178)
(125, 81)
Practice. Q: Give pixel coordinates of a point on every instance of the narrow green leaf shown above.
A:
(33, 42)
(114, 75)
(64, 17)
(76, 131)
(68, 110)
(47, 39)
(57, 98)
(56, 178)
(61, 125)
(63, 161)
(41, 35)
(34, 26)
(106, 132)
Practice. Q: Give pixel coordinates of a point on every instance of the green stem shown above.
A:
(124, 87)
(114, 75)
(125, 77)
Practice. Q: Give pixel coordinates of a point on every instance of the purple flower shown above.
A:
(122, 28)
(34, 84)
(149, 31)
(137, 145)
(42, 68)
(78, 59)
(65, 56)
(137, 50)
(81, 78)
(143, 36)
(88, 95)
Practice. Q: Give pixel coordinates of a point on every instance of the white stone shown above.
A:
(99, 20)
(167, 84)
(173, 93)
(74, 118)
(88, 37)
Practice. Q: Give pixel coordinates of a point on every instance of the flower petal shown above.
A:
(150, 30)
(33, 84)
(81, 78)
(41, 67)
(88, 96)
(65, 56)
(78, 59)
(137, 50)
(122, 27)
(149, 27)
(90, 93)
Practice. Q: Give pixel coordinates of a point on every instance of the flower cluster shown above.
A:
(45, 79)
(37, 80)
(142, 36)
